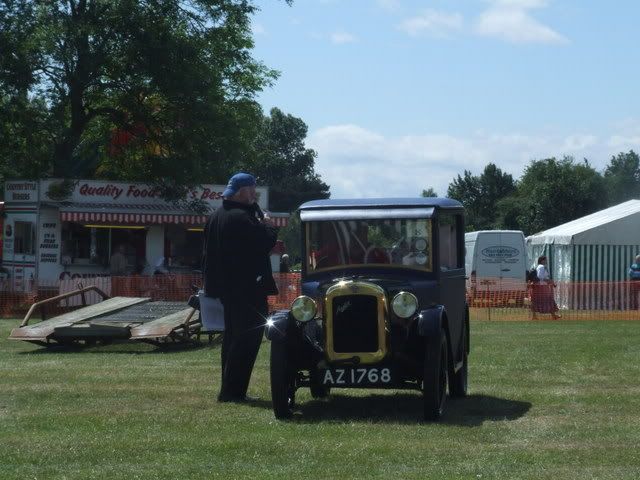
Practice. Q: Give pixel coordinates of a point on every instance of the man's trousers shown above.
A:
(243, 331)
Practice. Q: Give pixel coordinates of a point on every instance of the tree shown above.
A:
(429, 192)
(552, 192)
(480, 195)
(622, 177)
(291, 236)
(282, 161)
(22, 139)
(174, 78)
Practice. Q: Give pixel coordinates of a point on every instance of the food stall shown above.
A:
(60, 229)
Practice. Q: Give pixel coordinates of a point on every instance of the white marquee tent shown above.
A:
(590, 256)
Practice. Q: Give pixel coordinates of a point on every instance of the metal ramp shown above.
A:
(117, 318)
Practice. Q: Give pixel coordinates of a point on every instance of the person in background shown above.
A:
(160, 267)
(4, 278)
(118, 268)
(118, 262)
(542, 297)
(634, 277)
(284, 263)
(237, 269)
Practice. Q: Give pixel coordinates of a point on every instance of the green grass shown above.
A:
(548, 400)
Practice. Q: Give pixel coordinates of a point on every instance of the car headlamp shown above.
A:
(404, 304)
(304, 308)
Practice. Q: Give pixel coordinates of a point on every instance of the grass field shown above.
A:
(550, 400)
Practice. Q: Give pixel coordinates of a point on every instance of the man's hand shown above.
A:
(267, 219)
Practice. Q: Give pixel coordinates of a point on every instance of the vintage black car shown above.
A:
(383, 303)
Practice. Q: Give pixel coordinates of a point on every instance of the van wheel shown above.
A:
(435, 378)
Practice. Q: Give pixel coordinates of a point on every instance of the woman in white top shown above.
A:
(542, 271)
(542, 299)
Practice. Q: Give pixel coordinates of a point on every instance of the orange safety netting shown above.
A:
(488, 299)
(177, 288)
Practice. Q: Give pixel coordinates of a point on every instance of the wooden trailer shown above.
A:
(117, 318)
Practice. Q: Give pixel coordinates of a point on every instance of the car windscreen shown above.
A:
(402, 242)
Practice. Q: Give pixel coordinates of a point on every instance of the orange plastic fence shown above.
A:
(175, 288)
(496, 299)
(488, 299)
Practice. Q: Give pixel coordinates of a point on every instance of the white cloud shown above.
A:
(628, 138)
(579, 142)
(339, 38)
(510, 20)
(622, 142)
(389, 5)
(520, 3)
(357, 162)
(432, 22)
(258, 29)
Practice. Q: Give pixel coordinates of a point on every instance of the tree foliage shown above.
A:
(480, 194)
(291, 236)
(161, 91)
(553, 192)
(282, 161)
(549, 193)
(622, 177)
(429, 192)
(23, 140)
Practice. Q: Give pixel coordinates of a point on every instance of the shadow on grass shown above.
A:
(471, 411)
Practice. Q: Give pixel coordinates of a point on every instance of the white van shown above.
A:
(496, 266)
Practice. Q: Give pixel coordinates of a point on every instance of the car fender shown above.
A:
(277, 325)
(431, 321)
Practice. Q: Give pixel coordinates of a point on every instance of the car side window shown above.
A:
(448, 237)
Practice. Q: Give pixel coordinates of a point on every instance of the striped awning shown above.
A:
(132, 218)
(129, 214)
(280, 221)
(159, 214)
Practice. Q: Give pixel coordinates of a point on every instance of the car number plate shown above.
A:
(356, 376)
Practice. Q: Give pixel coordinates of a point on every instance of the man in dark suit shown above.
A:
(237, 269)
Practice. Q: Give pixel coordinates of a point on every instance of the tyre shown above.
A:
(458, 381)
(318, 390)
(434, 382)
(282, 381)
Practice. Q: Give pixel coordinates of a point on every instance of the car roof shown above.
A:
(380, 203)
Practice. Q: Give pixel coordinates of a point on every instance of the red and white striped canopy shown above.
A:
(280, 221)
(135, 217)
(132, 218)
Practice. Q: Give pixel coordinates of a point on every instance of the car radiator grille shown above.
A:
(355, 323)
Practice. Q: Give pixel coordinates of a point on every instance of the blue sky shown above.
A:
(402, 95)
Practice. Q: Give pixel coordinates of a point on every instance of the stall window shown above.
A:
(133, 241)
(24, 239)
(448, 236)
(85, 245)
(183, 246)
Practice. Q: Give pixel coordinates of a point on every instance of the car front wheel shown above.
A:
(282, 382)
(434, 382)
